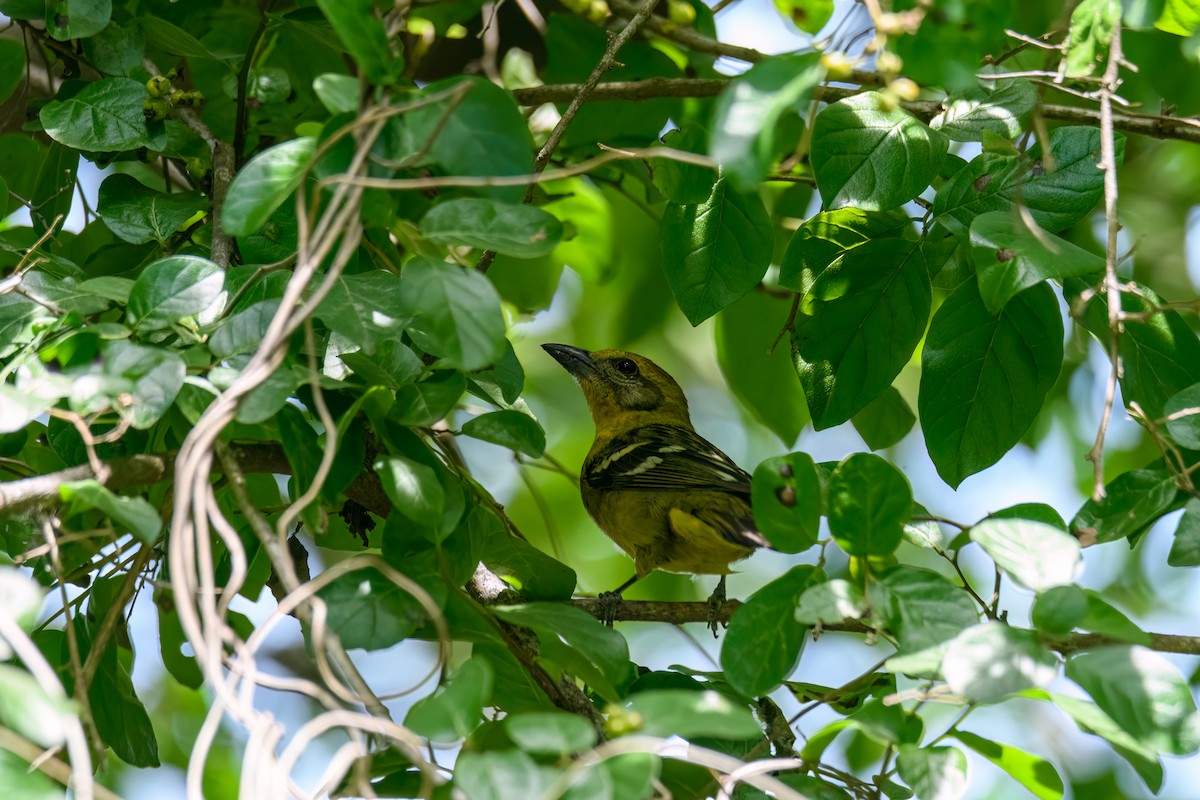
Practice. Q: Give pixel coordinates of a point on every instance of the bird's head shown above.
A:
(623, 390)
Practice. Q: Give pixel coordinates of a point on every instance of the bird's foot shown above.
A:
(608, 603)
(715, 602)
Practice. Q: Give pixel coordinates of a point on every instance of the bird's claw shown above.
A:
(715, 602)
(608, 603)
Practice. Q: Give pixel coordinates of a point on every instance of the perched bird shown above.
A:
(668, 497)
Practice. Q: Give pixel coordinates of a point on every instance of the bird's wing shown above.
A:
(665, 458)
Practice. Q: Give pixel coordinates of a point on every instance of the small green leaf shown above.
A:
(515, 430)
(1103, 618)
(1143, 692)
(869, 154)
(368, 309)
(138, 214)
(1182, 411)
(27, 709)
(413, 488)
(105, 116)
(173, 288)
(764, 640)
(499, 775)
(984, 377)
(822, 238)
(809, 16)
(857, 326)
(869, 502)
(12, 71)
(688, 714)
(391, 365)
(1060, 610)
(786, 497)
(369, 611)
(456, 708)
(1132, 502)
(830, 603)
(996, 107)
(172, 39)
(681, 182)
(76, 19)
(244, 331)
(19, 408)
(264, 183)
(749, 107)
(61, 293)
(1011, 257)
(427, 401)
(131, 513)
(550, 732)
(715, 251)
(885, 421)
(516, 230)
(157, 375)
(921, 608)
(1181, 17)
(1185, 548)
(1088, 38)
(1035, 555)
(456, 313)
(989, 662)
(934, 773)
(338, 93)
(362, 31)
(1034, 773)
(537, 575)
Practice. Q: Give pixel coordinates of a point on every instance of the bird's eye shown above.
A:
(626, 367)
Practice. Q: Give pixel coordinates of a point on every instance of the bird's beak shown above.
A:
(575, 360)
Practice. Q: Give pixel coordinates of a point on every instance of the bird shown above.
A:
(668, 497)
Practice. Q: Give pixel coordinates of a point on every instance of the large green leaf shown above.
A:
(869, 502)
(264, 184)
(1010, 257)
(858, 325)
(369, 309)
(515, 430)
(689, 714)
(747, 110)
(1132, 502)
(996, 107)
(134, 514)
(362, 31)
(762, 381)
(1091, 31)
(173, 288)
(456, 313)
(869, 154)
(681, 182)
(1035, 555)
(12, 70)
(933, 773)
(1185, 548)
(921, 608)
(821, 239)
(121, 719)
(139, 214)
(786, 497)
(764, 640)
(716, 251)
(515, 230)
(456, 708)
(1181, 17)
(984, 377)
(885, 421)
(989, 662)
(77, 19)
(105, 115)
(1033, 772)
(157, 375)
(369, 611)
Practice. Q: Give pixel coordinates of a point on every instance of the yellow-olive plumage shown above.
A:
(668, 497)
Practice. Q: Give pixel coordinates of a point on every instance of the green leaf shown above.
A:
(869, 154)
(110, 287)
(63, 294)
(482, 134)
(536, 575)
(76, 19)
(264, 183)
(1160, 354)
(18, 316)
(244, 331)
(688, 714)
(1034, 773)
(515, 430)
(172, 39)
(456, 708)
(1103, 618)
(362, 31)
(1060, 610)
(857, 327)
(996, 107)
(19, 408)
(413, 488)
(761, 380)
(130, 513)
(1132, 502)
(12, 71)
(984, 377)
(1180, 17)
(764, 640)
(715, 251)
(885, 421)
(338, 93)
(499, 775)
(749, 107)
(622, 777)
(809, 16)
(934, 773)
(1035, 555)
(786, 497)
(516, 230)
(172, 289)
(369, 309)
(1056, 198)
(921, 608)
(121, 719)
(681, 182)
(157, 375)
(391, 365)
(116, 50)
(554, 733)
(1143, 692)
(579, 642)
(138, 214)
(1088, 38)
(368, 611)
(1182, 411)
(106, 115)
(27, 709)
(822, 238)
(456, 313)
(830, 603)
(1010, 257)
(989, 662)
(869, 502)
(427, 401)
(1185, 548)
